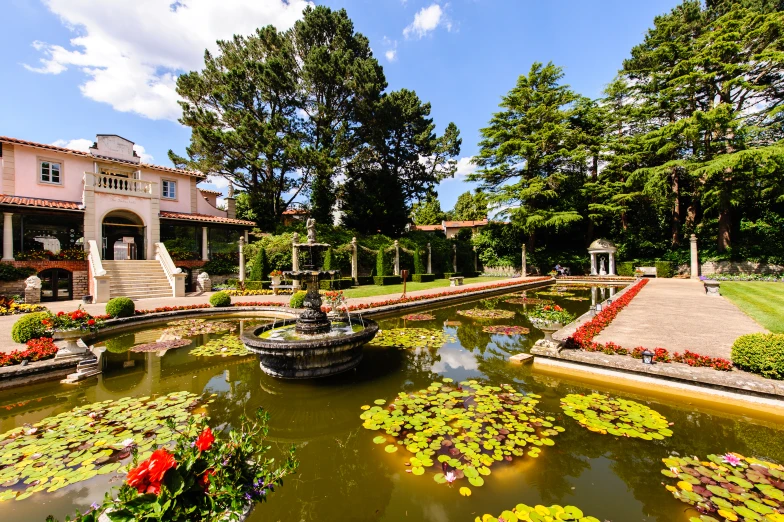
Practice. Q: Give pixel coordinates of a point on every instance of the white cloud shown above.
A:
(83, 144)
(427, 20)
(391, 52)
(391, 55)
(219, 181)
(464, 168)
(132, 52)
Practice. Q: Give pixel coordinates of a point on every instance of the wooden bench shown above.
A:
(456, 281)
(275, 288)
(647, 271)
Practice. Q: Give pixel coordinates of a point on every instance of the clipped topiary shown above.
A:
(120, 307)
(759, 353)
(220, 300)
(29, 326)
(297, 300)
(380, 267)
(260, 267)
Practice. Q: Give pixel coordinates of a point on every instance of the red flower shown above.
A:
(91, 322)
(205, 439)
(148, 475)
(204, 480)
(60, 313)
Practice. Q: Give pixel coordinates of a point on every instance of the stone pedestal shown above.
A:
(695, 262)
(32, 292)
(524, 271)
(203, 283)
(354, 261)
(429, 260)
(712, 288)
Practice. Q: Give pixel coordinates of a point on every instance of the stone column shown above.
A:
(454, 258)
(205, 256)
(154, 226)
(242, 259)
(245, 234)
(593, 264)
(295, 257)
(397, 258)
(524, 271)
(354, 261)
(611, 267)
(695, 260)
(476, 261)
(429, 260)
(8, 236)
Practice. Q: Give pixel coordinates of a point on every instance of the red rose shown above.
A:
(205, 439)
(148, 475)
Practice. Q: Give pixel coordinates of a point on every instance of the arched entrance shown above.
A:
(123, 236)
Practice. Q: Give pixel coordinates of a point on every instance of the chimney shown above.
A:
(231, 204)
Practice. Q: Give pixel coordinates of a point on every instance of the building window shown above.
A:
(169, 189)
(51, 172)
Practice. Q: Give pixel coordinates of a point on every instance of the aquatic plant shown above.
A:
(419, 317)
(506, 329)
(481, 313)
(90, 440)
(577, 298)
(730, 486)
(190, 327)
(620, 417)
(411, 338)
(228, 345)
(160, 346)
(528, 301)
(555, 293)
(208, 477)
(539, 513)
(461, 429)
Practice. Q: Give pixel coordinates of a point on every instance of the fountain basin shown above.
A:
(293, 355)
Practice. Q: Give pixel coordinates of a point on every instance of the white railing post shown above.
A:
(175, 275)
(100, 279)
(122, 185)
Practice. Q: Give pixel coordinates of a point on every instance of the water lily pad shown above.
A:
(615, 416)
(161, 346)
(731, 486)
(528, 301)
(191, 327)
(226, 346)
(506, 330)
(466, 492)
(411, 338)
(89, 440)
(539, 513)
(460, 431)
(419, 317)
(555, 293)
(483, 313)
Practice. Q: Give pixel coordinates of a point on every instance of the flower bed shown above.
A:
(37, 350)
(771, 278)
(245, 293)
(21, 308)
(582, 338)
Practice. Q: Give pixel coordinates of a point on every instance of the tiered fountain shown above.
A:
(313, 345)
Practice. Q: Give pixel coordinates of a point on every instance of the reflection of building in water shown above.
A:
(50, 243)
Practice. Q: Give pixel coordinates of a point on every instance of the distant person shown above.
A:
(559, 269)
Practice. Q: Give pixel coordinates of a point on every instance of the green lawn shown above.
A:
(764, 302)
(372, 290)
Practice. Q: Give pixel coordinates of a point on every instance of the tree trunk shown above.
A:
(676, 208)
(531, 241)
(725, 226)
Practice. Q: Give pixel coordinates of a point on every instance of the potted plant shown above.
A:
(549, 319)
(276, 275)
(335, 300)
(70, 327)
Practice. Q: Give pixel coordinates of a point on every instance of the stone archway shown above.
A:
(602, 247)
(123, 236)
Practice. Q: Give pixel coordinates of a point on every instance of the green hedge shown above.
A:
(120, 307)
(336, 284)
(447, 275)
(387, 280)
(625, 268)
(423, 278)
(297, 299)
(9, 272)
(220, 300)
(258, 285)
(29, 326)
(365, 280)
(760, 353)
(664, 269)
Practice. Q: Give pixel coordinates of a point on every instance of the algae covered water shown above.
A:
(346, 475)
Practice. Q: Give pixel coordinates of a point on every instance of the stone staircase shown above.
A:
(140, 279)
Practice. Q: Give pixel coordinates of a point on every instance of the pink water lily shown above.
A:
(450, 476)
(675, 470)
(731, 459)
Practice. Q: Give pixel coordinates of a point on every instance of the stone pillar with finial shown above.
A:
(429, 260)
(524, 270)
(397, 258)
(454, 258)
(354, 261)
(295, 257)
(695, 260)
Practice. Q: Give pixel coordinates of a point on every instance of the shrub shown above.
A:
(423, 278)
(327, 264)
(28, 327)
(664, 269)
(418, 268)
(120, 307)
(298, 299)
(260, 266)
(220, 266)
(120, 344)
(365, 280)
(336, 284)
(380, 267)
(220, 300)
(625, 268)
(9, 272)
(760, 353)
(387, 280)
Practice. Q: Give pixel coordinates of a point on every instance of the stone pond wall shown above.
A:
(735, 267)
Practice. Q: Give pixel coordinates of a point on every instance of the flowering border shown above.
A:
(37, 350)
(582, 338)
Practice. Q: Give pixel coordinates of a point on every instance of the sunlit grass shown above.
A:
(763, 302)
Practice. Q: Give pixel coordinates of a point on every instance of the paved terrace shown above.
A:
(676, 314)
(7, 345)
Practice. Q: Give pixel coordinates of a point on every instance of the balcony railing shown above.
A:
(121, 185)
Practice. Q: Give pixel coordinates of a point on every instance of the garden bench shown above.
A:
(456, 281)
(646, 270)
(275, 288)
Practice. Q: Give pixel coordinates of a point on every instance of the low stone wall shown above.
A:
(9, 288)
(79, 273)
(739, 267)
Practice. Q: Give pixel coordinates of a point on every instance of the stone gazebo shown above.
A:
(598, 248)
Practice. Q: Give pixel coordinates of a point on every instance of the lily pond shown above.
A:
(434, 425)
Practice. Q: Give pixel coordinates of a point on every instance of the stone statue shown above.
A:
(33, 283)
(311, 224)
(231, 190)
(602, 269)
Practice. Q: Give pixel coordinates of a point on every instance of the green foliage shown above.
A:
(387, 280)
(762, 354)
(365, 280)
(258, 285)
(423, 278)
(664, 269)
(428, 212)
(327, 263)
(381, 267)
(220, 267)
(120, 307)
(29, 326)
(297, 299)
(259, 270)
(336, 284)
(625, 268)
(220, 300)
(418, 267)
(9, 272)
(470, 207)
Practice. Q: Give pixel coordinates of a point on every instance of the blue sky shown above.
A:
(76, 68)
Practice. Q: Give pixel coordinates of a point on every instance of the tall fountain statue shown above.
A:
(313, 345)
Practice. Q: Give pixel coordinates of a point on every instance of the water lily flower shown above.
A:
(450, 477)
(675, 470)
(731, 459)
(127, 443)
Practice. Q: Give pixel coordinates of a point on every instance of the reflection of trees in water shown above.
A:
(472, 337)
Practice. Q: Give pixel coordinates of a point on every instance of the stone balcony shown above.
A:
(125, 186)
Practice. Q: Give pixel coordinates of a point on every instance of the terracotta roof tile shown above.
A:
(453, 224)
(206, 219)
(295, 212)
(55, 148)
(37, 202)
(213, 192)
(428, 228)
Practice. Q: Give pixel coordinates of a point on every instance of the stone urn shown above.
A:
(712, 287)
(275, 280)
(547, 327)
(72, 347)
